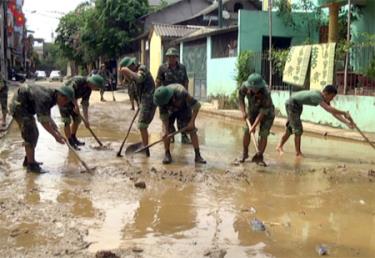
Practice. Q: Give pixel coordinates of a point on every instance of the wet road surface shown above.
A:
(186, 210)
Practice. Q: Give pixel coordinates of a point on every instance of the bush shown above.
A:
(371, 69)
(244, 67)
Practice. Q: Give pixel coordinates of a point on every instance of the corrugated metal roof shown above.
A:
(205, 32)
(174, 31)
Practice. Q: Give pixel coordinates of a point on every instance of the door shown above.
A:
(195, 60)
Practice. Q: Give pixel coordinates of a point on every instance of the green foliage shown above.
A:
(225, 101)
(279, 58)
(313, 15)
(99, 28)
(371, 69)
(244, 66)
(52, 60)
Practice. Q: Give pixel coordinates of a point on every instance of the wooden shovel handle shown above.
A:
(252, 135)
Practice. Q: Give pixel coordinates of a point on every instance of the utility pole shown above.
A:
(220, 14)
(3, 37)
(270, 42)
(347, 51)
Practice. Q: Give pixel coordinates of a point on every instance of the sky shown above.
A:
(42, 15)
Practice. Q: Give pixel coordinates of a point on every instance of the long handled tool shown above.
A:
(137, 147)
(91, 131)
(79, 158)
(127, 134)
(361, 133)
(113, 92)
(252, 135)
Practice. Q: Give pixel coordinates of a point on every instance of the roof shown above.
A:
(210, 9)
(205, 32)
(174, 31)
(158, 2)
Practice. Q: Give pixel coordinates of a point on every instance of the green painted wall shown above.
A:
(360, 59)
(361, 108)
(253, 25)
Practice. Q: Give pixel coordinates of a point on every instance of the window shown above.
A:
(224, 45)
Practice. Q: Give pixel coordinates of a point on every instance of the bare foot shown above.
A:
(280, 150)
(299, 155)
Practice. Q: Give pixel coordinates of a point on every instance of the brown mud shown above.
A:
(185, 210)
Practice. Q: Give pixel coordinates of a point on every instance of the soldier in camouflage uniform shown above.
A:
(132, 92)
(170, 73)
(261, 111)
(294, 108)
(31, 100)
(82, 87)
(3, 100)
(145, 87)
(106, 75)
(174, 100)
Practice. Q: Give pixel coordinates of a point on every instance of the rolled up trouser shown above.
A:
(294, 123)
(29, 130)
(147, 111)
(67, 114)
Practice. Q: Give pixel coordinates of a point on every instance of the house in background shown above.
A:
(210, 53)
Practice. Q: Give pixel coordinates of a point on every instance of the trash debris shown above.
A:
(106, 254)
(141, 185)
(322, 250)
(257, 225)
(371, 172)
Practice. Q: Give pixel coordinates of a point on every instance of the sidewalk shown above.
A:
(280, 122)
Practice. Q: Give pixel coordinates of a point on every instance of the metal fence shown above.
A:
(359, 81)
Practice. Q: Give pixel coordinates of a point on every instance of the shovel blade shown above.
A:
(132, 148)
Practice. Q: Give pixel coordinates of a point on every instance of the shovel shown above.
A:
(127, 134)
(257, 159)
(138, 147)
(361, 133)
(91, 131)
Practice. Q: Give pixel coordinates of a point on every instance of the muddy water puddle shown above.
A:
(186, 210)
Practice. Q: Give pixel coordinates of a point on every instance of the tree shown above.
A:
(118, 24)
(99, 28)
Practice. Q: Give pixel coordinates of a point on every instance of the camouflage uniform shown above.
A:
(106, 76)
(4, 96)
(256, 105)
(167, 75)
(145, 88)
(81, 91)
(294, 108)
(27, 102)
(183, 113)
(132, 89)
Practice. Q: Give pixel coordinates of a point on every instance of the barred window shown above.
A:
(224, 45)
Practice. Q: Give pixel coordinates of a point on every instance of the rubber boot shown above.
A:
(245, 156)
(185, 139)
(35, 168)
(167, 158)
(73, 144)
(259, 160)
(77, 142)
(24, 164)
(198, 157)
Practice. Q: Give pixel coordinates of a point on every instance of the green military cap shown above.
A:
(128, 61)
(172, 52)
(163, 95)
(97, 81)
(255, 82)
(67, 91)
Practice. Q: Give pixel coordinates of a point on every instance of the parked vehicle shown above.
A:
(40, 75)
(16, 76)
(55, 76)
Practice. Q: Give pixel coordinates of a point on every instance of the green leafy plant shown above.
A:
(279, 59)
(244, 66)
(371, 69)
